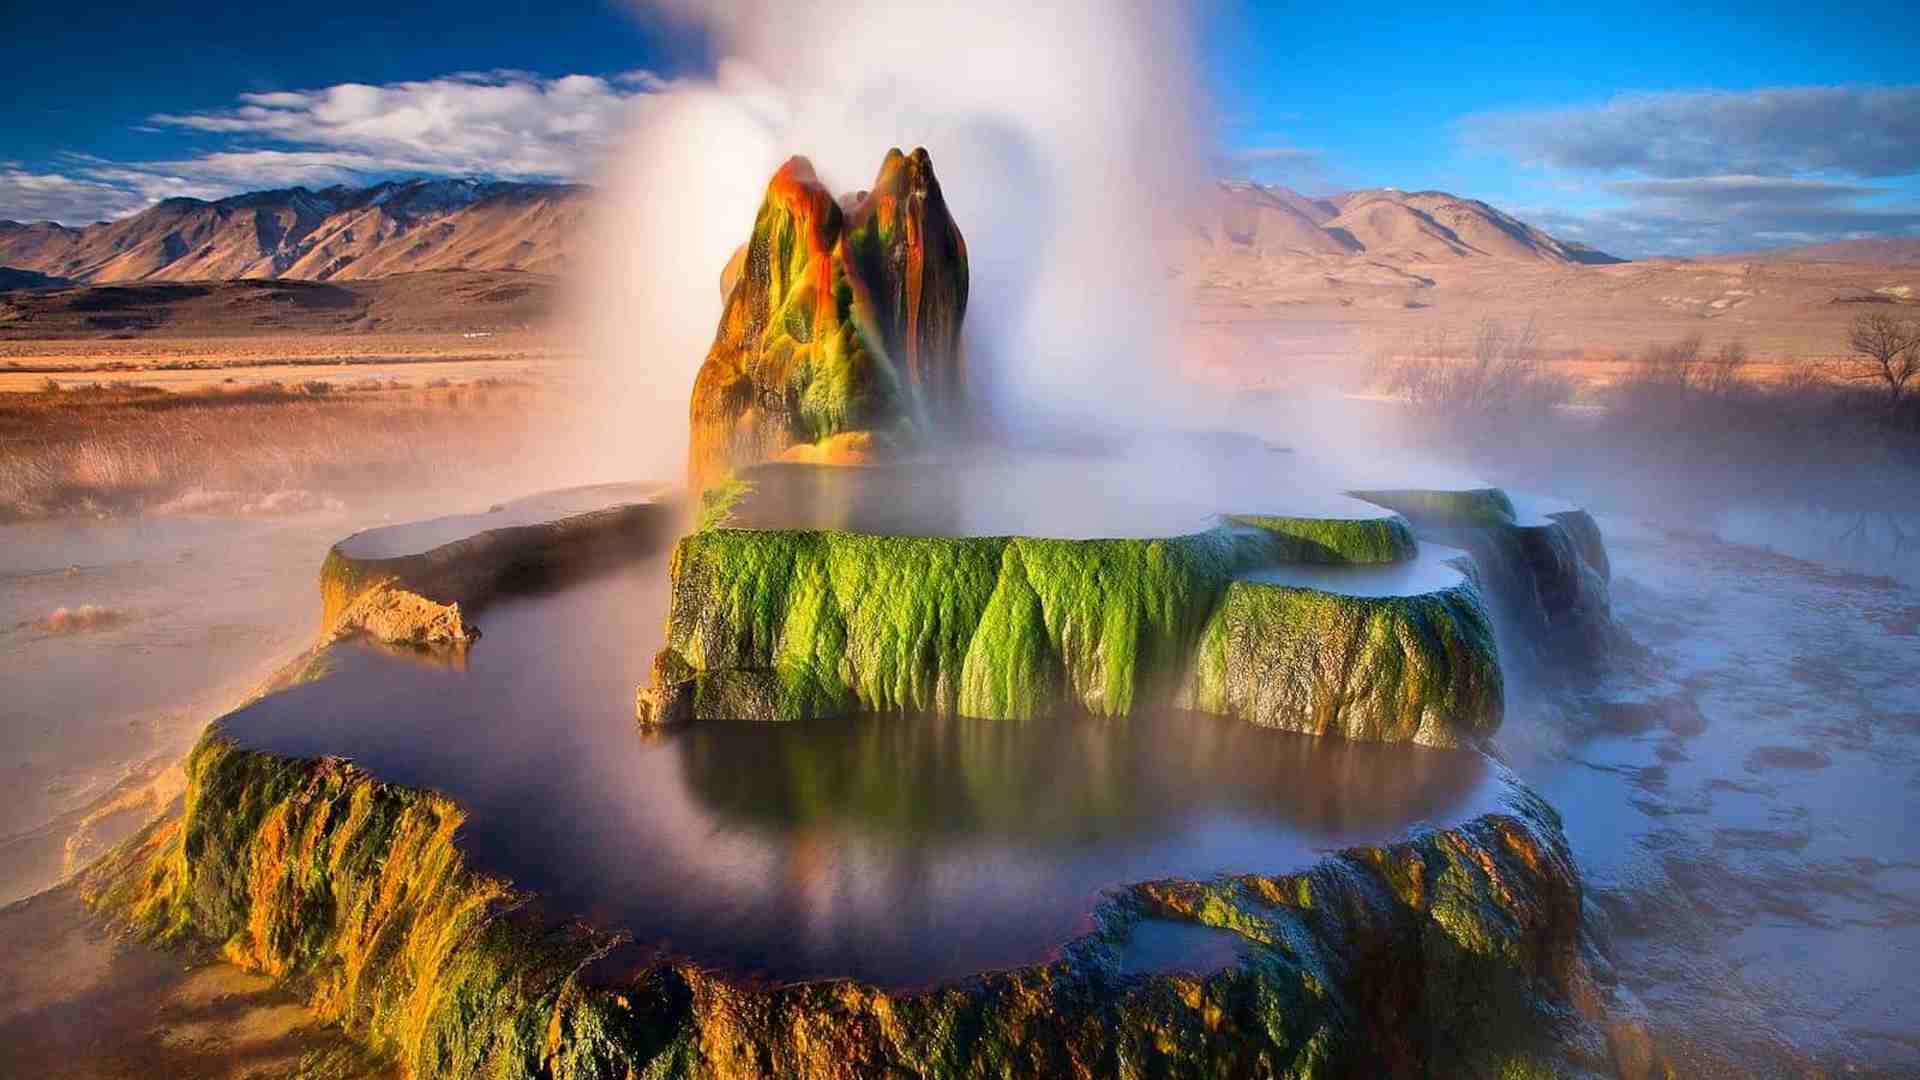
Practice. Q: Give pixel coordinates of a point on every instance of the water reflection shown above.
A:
(1875, 542)
(898, 849)
(1056, 782)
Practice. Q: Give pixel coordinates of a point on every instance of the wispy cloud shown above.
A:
(1726, 170)
(510, 124)
(1856, 131)
(39, 196)
(1729, 213)
(1271, 161)
(1265, 154)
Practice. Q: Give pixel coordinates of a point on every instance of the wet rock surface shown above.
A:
(1543, 561)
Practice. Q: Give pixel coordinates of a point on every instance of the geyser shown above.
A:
(1061, 133)
(840, 338)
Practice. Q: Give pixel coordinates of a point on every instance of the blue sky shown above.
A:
(1645, 129)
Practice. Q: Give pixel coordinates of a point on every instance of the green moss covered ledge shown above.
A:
(783, 624)
(1456, 951)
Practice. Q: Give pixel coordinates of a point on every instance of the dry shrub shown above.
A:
(1685, 409)
(1498, 378)
(1676, 385)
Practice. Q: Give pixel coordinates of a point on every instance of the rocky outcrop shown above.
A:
(1544, 562)
(416, 584)
(1453, 952)
(840, 335)
(397, 616)
(788, 624)
(1420, 669)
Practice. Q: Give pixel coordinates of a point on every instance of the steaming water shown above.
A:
(201, 609)
(899, 849)
(1877, 542)
(1740, 803)
(415, 537)
(1172, 488)
(1432, 570)
(1060, 134)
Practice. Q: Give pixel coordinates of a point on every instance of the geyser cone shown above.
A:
(840, 338)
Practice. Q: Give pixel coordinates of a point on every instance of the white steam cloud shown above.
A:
(1062, 135)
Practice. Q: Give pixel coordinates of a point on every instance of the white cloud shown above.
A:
(1730, 213)
(1272, 162)
(508, 124)
(1726, 170)
(29, 196)
(1856, 131)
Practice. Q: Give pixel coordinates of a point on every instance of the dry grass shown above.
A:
(1675, 418)
(258, 449)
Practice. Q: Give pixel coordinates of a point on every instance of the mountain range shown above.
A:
(342, 233)
(1378, 223)
(334, 233)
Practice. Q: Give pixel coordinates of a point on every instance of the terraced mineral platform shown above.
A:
(1074, 801)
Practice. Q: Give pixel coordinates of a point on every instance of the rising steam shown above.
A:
(1060, 138)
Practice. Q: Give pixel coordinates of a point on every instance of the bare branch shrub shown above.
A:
(1886, 351)
(1500, 375)
(1725, 372)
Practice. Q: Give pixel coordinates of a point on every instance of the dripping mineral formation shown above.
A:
(840, 336)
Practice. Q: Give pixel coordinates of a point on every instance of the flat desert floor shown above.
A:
(1256, 320)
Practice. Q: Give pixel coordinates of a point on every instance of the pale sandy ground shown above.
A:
(195, 363)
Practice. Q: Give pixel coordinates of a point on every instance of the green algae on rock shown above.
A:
(1336, 540)
(1454, 951)
(840, 336)
(1381, 669)
(312, 871)
(1430, 506)
(783, 624)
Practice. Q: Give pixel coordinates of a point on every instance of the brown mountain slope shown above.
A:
(1378, 224)
(1385, 228)
(1267, 221)
(335, 233)
(338, 234)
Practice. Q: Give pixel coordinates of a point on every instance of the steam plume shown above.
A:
(1062, 135)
